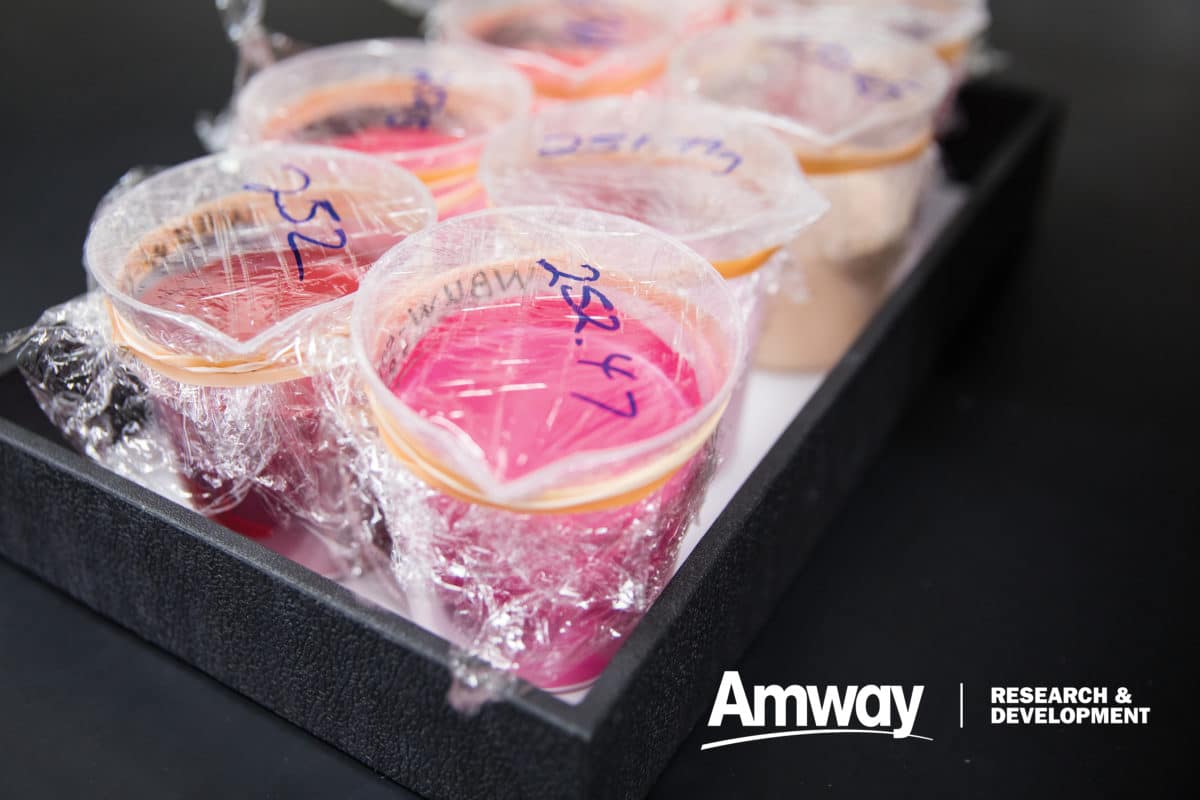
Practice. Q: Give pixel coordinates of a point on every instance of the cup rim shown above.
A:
(532, 484)
(101, 227)
(935, 76)
(487, 70)
(764, 145)
(450, 21)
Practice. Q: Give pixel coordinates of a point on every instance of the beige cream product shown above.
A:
(857, 106)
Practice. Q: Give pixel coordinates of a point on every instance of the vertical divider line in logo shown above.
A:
(960, 706)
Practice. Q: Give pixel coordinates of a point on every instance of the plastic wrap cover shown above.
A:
(200, 365)
(555, 377)
(428, 107)
(570, 49)
(841, 95)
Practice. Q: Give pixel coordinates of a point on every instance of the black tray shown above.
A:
(374, 685)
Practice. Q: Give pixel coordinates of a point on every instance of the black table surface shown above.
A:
(1033, 520)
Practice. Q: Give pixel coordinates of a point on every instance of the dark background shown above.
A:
(1032, 521)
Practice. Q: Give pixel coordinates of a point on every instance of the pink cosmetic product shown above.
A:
(554, 378)
(429, 108)
(224, 279)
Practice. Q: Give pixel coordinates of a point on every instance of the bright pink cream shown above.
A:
(510, 382)
(515, 382)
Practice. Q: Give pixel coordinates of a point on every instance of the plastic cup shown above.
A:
(429, 108)
(225, 278)
(554, 377)
(569, 49)
(856, 105)
(724, 186)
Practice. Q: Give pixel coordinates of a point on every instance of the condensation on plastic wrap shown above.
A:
(569, 49)
(200, 365)
(429, 108)
(544, 386)
(856, 104)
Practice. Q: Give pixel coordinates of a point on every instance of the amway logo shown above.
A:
(871, 708)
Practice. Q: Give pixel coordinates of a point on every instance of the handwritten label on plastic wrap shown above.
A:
(429, 99)
(836, 57)
(295, 237)
(589, 298)
(559, 144)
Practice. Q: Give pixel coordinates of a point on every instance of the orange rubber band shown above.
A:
(566, 90)
(953, 52)
(254, 370)
(838, 161)
(744, 266)
(636, 484)
(601, 496)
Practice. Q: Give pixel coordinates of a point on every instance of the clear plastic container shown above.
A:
(569, 49)
(723, 186)
(555, 378)
(429, 108)
(856, 105)
(224, 279)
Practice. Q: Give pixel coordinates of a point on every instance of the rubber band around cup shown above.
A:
(255, 370)
(838, 162)
(339, 98)
(730, 268)
(432, 177)
(251, 370)
(554, 90)
(629, 488)
(744, 266)
(953, 52)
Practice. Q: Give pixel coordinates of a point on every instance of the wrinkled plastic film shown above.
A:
(717, 182)
(201, 364)
(857, 108)
(559, 468)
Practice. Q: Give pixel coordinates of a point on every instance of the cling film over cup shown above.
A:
(428, 108)
(510, 417)
(559, 416)
(221, 284)
(569, 49)
(856, 105)
(695, 171)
